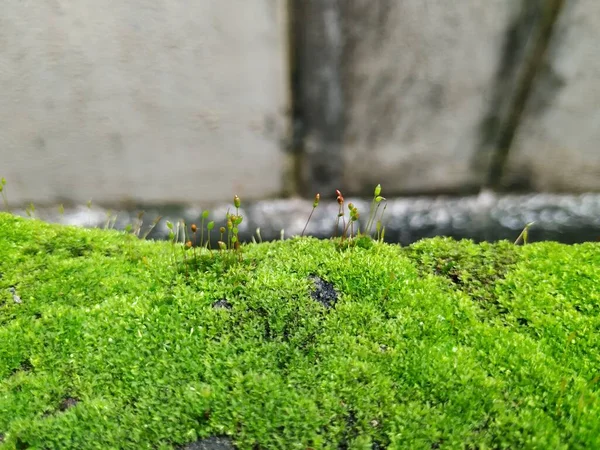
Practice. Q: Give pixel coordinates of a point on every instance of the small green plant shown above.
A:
(138, 224)
(172, 236)
(89, 207)
(194, 229)
(203, 218)
(315, 204)
(379, 227)
(354, 215)
(209, 228)
(30, 211)
(187, 244)
(233, 223)
(4, 199)
(340, 201)
(154, 223)
(524, 234)
(229, 237)
(375, 204)
(373, 210)
(110, 220)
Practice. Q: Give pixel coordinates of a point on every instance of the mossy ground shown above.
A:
(443, 344)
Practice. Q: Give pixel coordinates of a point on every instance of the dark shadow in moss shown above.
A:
(475, 269)
(218, 263)
(222, 304)
(68, 402)
(20, 444)
(65, 404)
(32, 250)
(73, 247)
(350, 431)
(24, 366)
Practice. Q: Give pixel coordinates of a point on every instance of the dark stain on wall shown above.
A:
(501, 125)
(513, 53)
(318, 98)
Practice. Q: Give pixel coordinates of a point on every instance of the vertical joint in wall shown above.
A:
(318, 95)
(533, 60)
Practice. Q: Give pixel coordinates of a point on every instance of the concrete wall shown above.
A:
(557, 144)
(449, 97)
(142, 101)
(417, 79)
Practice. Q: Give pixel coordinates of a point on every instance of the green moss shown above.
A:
(441, 345)
(475, 269)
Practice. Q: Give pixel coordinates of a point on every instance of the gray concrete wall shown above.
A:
(417, 78)
(448, 97)
(557, 144)
(142, 101)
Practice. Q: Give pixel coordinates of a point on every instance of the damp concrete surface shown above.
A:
(485, 217)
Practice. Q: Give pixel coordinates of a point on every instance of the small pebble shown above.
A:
(16, 298)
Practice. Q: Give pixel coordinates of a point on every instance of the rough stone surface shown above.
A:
(222, 304)
(67, 403)
(485, 217)
(138, 101)
(417, 79)
(557, 146)
(211, 443)
(324, 292)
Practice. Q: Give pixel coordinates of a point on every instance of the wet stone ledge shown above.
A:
(485, 217)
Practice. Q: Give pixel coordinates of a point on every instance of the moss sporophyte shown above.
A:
(304, 343)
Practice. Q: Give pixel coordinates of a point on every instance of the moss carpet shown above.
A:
(120, 343)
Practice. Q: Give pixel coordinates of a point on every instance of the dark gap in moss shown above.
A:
(72, 247)
(6, 319)
(269, 333)
(474, 269)
(222, 304)
(24, 366)
(20, 444)
(484, 426)
(324, 292)
(350, 432)
(377, 445)
(68, 402)
(31, 250)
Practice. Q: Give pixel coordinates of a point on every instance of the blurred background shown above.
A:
(476, 117)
